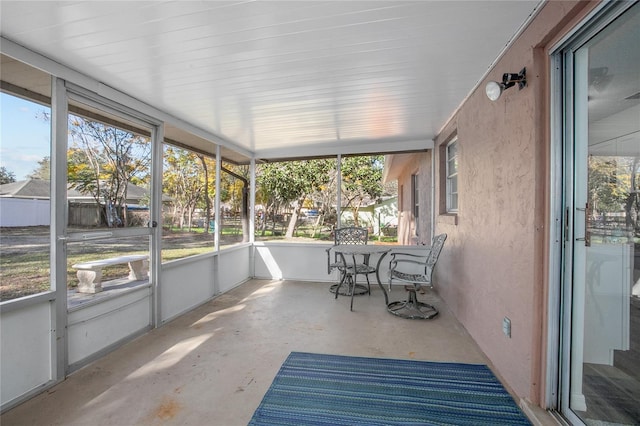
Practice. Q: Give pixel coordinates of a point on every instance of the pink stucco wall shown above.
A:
(494, 260)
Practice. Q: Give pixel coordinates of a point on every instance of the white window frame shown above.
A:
(451, 178)
(415, 201)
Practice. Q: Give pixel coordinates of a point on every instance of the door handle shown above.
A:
(587, 234)
(97, 236)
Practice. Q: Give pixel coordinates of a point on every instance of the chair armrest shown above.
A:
(396, 266)
(394, 263)
(411, 261)
(411, 255)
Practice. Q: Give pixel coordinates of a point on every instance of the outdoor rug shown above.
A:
(315, 389)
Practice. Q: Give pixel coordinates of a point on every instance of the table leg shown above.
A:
(355, 279)
(386, 297)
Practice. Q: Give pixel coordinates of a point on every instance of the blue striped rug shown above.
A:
(315, 389)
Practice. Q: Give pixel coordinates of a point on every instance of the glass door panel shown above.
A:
(108, 200)
(109, 171)
(605, 334)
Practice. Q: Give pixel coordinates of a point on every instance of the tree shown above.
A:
(614, 188)
(291, 183)
(325, 199)
(632, 203)
(234, 184)
(6, 176)
(103, 160)
(605, 193)
(182, 181)
(361, 181)
(43, 171)
(205, 184)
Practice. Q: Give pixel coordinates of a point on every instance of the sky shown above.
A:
(24, 135)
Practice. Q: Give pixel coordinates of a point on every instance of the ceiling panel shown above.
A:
(272, 76)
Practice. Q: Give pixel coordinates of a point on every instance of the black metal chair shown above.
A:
(342, 236)
(415, 271)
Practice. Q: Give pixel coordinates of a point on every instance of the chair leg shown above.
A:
(412, 308)
(359, 289)
(352, 283)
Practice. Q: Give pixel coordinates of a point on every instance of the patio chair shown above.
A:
(415, 271)
(349, 235)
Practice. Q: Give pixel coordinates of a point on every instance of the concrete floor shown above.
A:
(213, 365)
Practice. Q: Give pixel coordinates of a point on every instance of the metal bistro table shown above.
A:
(352, 270)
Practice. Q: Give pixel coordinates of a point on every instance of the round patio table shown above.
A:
(349, 254)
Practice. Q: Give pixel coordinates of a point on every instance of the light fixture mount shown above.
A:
(493, 89)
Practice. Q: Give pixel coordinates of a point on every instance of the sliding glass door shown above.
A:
(601, 375)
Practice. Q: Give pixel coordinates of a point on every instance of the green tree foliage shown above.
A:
(234, 185)
(292, 182)
(189, 179)
(6, 176)
(361, 181)
(205, 162)
(183, 182)
(313, 182)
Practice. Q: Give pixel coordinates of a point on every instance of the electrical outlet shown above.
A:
(506, 327)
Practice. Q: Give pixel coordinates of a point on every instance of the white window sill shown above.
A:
(448, 219)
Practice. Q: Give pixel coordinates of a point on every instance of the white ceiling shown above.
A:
(282, 78)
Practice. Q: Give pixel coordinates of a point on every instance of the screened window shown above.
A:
(233, 217)
(298, 200)
(25, 184)
(188, 191)
(452, 176)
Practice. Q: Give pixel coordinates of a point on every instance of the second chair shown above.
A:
(415, 271)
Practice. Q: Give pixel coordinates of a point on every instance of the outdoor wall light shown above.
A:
(494, 89)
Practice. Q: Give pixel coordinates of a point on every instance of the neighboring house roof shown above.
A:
(40, 189)
(30, 188)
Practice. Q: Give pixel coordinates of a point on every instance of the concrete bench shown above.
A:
(90, 273)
